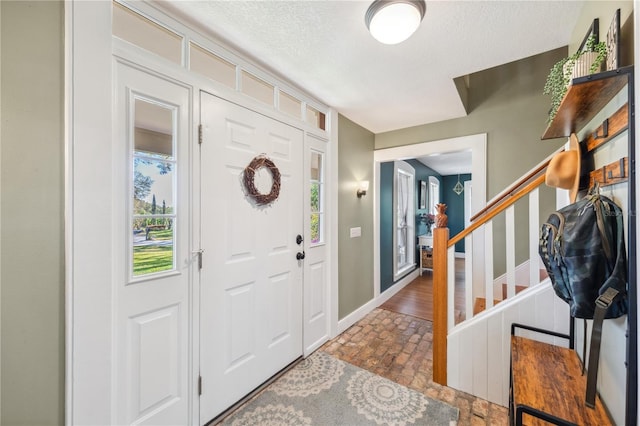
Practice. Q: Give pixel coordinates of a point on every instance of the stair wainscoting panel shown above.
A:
(488, 336)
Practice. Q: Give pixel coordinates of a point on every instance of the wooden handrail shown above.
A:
(539, 180)
(517, 184)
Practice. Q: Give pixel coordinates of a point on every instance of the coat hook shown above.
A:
(605, 130)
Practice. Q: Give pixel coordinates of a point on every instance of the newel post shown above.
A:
(440, 243)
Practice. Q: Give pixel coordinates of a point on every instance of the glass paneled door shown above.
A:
(153, 263)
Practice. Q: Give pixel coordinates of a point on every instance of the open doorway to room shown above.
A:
(449, 161)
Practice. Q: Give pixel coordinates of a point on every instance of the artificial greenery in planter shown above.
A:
(562, 71)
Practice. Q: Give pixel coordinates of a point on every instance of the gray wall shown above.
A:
(355, 164)
(507, 103)
(31, 190)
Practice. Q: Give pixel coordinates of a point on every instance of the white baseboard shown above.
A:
(363, 310)
(356, 315)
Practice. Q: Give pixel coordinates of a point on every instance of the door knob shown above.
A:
(299, 239)
(300, 255)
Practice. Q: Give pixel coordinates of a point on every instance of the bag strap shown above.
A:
(602, 303)
(595, 201)
(598, 206)
(584, 345)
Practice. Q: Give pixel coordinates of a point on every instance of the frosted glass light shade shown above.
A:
(391, 22)
(363, 187)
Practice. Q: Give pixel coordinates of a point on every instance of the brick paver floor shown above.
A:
(398, 347)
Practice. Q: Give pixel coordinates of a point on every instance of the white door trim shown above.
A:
(478, 146)
(88, 263)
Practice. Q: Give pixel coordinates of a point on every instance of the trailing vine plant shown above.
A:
(560, 74)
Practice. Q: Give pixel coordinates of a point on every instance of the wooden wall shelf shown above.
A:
(583, 100)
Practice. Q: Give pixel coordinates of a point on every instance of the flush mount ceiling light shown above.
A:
(393, 21)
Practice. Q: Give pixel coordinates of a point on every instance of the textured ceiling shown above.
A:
(324, 47)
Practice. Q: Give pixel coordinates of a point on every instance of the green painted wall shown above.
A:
(507, 103)
(355, 164)
(32, 212)
(386, 225)
(422, 172)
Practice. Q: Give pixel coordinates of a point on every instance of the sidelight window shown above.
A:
(317, 197)
(153, 182)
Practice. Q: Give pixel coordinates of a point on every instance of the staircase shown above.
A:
(480, 298)
(480, 303)
(473, 355)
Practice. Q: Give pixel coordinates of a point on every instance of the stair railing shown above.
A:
(444, 259)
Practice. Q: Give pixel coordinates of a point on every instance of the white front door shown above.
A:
(251, 282)
(152, 253)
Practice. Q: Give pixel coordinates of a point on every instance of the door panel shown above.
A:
(153, 261)
(251, 282)
(154, 349)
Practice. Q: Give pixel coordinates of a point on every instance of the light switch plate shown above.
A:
(355, 232)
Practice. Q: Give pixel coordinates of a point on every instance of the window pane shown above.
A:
(257, 88)
(316, 188)
(315, 197)
(152, 186)
(154, 180)
(153, 129)
(316, 118)
(136, 29)
(212, 66)
(152, 245)
(316, 166)
(315, 228)
(290, 105)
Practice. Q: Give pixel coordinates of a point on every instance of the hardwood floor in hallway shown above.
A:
(416, 298)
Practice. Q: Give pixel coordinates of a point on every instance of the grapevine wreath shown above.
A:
(249, 183)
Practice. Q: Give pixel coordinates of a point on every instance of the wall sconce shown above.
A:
(363, 187)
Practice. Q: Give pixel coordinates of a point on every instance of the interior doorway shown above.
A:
(477, 145)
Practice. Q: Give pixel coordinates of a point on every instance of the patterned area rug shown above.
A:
(323, 390)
